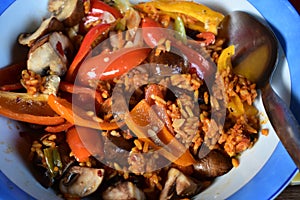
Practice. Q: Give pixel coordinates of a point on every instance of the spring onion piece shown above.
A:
(53, 160)
(179, 27)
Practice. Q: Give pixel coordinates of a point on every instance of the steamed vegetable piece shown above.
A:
(190, 10)
(27, 108)
(143, 121)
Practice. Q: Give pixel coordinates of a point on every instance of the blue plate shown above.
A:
(278, 171)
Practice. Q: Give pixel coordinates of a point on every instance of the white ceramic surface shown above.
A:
(26, 15)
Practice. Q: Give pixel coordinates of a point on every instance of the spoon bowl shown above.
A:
(255, 46)
(255, 58)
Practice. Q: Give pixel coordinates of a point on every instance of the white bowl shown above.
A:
(264, 170)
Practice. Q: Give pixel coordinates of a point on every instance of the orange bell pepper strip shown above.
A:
(77, 147)
(77, 116)
(76, 89)
(27, 108)
(59, 128)
(142, 119)
(33, 119)
(85, 142)
(161, 110)
(93, 37)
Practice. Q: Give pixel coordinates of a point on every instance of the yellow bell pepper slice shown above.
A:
(224, 60)
(202, 13)
(236, 106)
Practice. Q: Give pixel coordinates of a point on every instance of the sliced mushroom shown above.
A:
(179, 185)
(215, 163)
(81, 181)
(70, 12)
(50, 55)
(123, 191)
(48, 25)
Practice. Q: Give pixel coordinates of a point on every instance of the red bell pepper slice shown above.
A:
(206, 38)
(202, 65)
(96, 34)
(109, 65)
(153, 32)
(98, 10)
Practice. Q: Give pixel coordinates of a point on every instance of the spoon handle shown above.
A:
(283, 122)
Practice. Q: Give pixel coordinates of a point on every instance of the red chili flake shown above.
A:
(60, 48)
(100, 174)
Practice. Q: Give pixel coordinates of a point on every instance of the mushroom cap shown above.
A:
(81, 181)
(48, 25)
(70, 12)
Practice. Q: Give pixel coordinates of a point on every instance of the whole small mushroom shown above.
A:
(215, 163)
(179, 185)
(123, 191)
(49, 55)
(81, 181)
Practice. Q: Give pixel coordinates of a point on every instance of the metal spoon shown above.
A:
(256, 56)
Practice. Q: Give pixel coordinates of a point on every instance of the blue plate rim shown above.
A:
(280, 158)
(285, 168)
